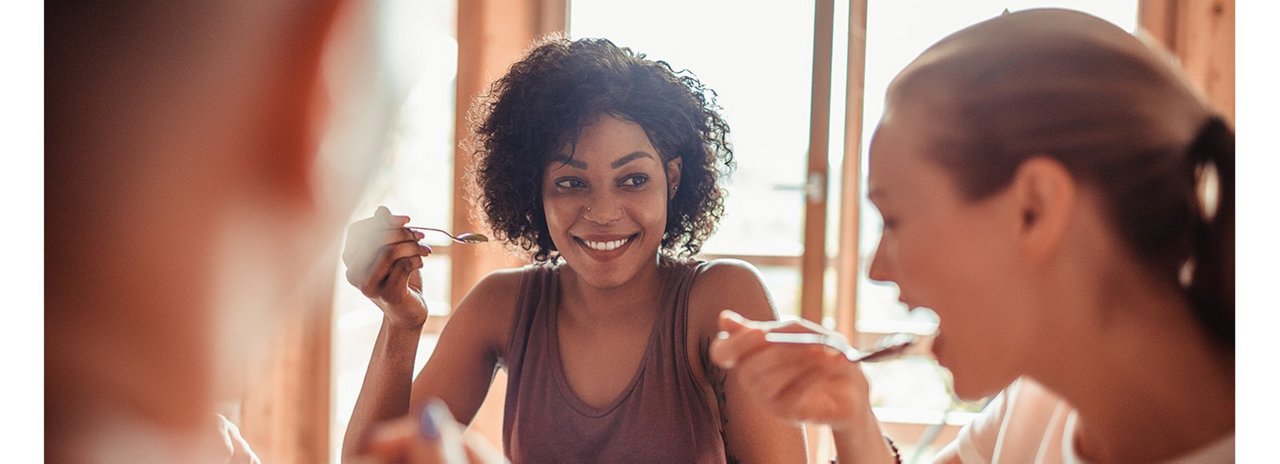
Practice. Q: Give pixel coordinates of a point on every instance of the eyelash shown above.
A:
(640, 179)
(573, 183)
(632, 181)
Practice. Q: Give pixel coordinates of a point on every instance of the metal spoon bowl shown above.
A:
(465, 237)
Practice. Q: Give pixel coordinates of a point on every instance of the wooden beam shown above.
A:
(848, 257)
(492, 35)
(1201, 34)
(813, 263)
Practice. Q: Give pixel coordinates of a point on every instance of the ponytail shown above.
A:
(1211, 289)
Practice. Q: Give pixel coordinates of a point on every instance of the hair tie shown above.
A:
(1209, 155)
(1210, 140)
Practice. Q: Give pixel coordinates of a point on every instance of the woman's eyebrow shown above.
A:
(577, 163)
(629, 158)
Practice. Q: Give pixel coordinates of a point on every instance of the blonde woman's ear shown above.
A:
(1046, 197)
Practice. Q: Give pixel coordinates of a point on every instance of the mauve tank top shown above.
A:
(662, 416)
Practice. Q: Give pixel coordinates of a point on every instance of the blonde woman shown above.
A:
(1039, 175)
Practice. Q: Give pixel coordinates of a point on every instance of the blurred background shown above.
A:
(802, 86)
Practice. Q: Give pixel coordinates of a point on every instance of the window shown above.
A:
(760, 60)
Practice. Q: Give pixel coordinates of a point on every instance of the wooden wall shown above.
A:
(1201, 33)
(285, 410)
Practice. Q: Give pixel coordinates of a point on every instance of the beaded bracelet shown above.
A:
(897, 457)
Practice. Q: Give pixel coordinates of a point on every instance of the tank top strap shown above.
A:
(537, 293)
(680, 285)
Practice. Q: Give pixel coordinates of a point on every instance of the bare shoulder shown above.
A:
(487, 309)
(728, 271)
(496, 287)
(728, 284)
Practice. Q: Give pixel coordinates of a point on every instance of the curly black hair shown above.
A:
(560, 86)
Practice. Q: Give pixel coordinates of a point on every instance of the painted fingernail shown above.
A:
(419, 235)
(429, 422)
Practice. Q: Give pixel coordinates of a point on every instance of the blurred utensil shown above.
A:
(465, 237)
(886, 348)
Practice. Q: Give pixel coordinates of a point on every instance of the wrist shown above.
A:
(411, 315)
(862, 419)
(861, 440)
(410, 325)
(877, 455)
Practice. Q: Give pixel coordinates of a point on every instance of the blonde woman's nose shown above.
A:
(880, 268)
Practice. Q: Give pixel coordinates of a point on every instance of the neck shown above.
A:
(1146, 380)
(583, 301)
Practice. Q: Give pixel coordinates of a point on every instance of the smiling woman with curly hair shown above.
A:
(604, 167)
(542, 105)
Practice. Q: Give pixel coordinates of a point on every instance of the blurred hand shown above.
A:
(382, 259)
(803, 383)
(238, 451)
(432, 438)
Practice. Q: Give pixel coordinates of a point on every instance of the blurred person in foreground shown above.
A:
(194, 174)
(1059, 194)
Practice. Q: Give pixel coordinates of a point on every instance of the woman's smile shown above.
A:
(605, 247)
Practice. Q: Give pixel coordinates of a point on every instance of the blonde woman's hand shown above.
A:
(803, 383)
(383, 259)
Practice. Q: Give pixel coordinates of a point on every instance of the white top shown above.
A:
(1028, 424)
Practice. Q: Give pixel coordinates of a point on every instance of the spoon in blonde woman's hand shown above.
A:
(887, 347)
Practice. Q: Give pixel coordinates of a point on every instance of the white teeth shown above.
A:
(606, 246)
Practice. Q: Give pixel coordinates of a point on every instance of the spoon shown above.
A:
(886, 348)
(465, 237)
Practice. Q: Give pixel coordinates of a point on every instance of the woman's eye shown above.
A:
(570, 183)
(635, 181)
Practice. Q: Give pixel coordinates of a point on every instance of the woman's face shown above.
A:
(606, 207)
(956, 257)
